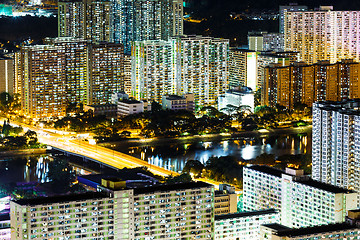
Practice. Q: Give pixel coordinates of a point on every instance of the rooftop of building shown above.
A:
(245, 214)
(103, 105)
(60, 199)
(303, 179)
(266, 169)
(277, 227)
(174, 97)
(171, 187)
(242, 50)
(295, 232)
(129, 101)
(323, 186)
(350, 106)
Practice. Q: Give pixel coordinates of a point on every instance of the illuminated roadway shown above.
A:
(95, 152)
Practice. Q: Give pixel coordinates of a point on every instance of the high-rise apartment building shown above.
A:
(244, 225)
(121, 21)
(181, 65)
(303, 83)
(266, 58)
(302, 201)
(106, 72)
(264, 41)
(203, 67)
(86, 19)
(42, 81)
(335, 143)
(323, 34)
(283, 9)
(127, 74)
(154, 66)
(7, 75)
(181, 211)
(71, 19)
(67, 70)
(243, 68)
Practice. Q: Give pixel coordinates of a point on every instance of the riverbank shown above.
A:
(212, 137)
(35, 151)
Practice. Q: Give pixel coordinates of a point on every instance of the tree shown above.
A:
(60, 175)
(31, 137)
(183, 178)
(5, 101)
(193, 166)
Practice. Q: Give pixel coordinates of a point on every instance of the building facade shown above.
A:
(166, 212)
(121, 21)
(153, 71)
(283, 9)
(306, 84)
(7, 75)
(243, 68)
(323, 34)
(336, 141)
(266, 58)
(302, 201)
(86, 19)
(175, 102)
(225, 200)
(181, 65)
(245, 225)
(234, 100)
(67, 70)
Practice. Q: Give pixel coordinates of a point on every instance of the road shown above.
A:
(100, 154)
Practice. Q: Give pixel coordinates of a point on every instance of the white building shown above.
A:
(184, 210)
(256, 41)
(336, 143)
(330, 232)
(5, 230)
(225, 200)
(174, 102)
(323, 34)
(302, 201)
(186, 64)
(244, 225)
(243, 68)
(127, 107)
(236, 98)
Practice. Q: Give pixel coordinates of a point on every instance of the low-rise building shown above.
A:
(225, 200)
(108, 110)
(331, 231)
(127, 107)
(175, 102)
(302, 201)
(233, 100)
(244, 225)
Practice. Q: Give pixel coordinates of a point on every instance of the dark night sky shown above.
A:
(240, 5)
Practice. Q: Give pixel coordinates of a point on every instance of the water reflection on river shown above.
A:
(173, 154)
(33, 168)
(24, 169)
